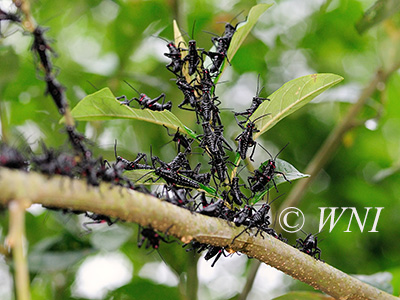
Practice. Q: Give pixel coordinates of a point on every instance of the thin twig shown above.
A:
(192, 282)
(25, 7)
(15, 241)
(29, 25)
(3, 123)
(254, 266)
(147, 210)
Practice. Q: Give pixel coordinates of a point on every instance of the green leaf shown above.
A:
(243, 29)
(237, 159)
(53, 261)
(102, 105)
(10, 62)
(192, 133)
(178, 37)
(290, 97)
(111, 239)
(138, 177)
(211, 191)
(381, 280)
(290, 172)
(384, 173)
(43, 288)
(304, 296)
(58, 252)
(140, 288)
(381, 10)
(395, 271)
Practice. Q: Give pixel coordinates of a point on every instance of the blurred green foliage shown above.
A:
(103, 43)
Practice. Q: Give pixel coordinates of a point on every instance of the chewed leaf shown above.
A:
(102, 105)
(290, 97)
(180, 42)
(286, 168)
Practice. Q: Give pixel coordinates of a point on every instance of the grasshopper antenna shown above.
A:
(212, 33)
(258, 86)
(115, 149)
(132, 87)
(157, 36)
(144, 176)
(194, 24)
(233, 18)
(92, 85)
(236, 16)
(258, 118)
(266, 151)
(274, 199)
(281, 151)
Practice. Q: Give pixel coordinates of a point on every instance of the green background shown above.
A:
(103, 43)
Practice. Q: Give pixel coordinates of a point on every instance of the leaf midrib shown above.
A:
(293, 104)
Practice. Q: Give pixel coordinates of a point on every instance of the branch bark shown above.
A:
(147, 210)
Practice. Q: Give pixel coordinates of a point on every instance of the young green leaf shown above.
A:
(237, 159)
(178, 37)
(212, 192)
(290, 97)
(244, 28)
(286, 168)
(102, 105)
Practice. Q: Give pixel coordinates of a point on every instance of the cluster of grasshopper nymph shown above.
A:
(216, 193)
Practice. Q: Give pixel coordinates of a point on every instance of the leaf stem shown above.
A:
(30, 25)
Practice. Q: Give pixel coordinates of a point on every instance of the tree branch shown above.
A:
(147, 210)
